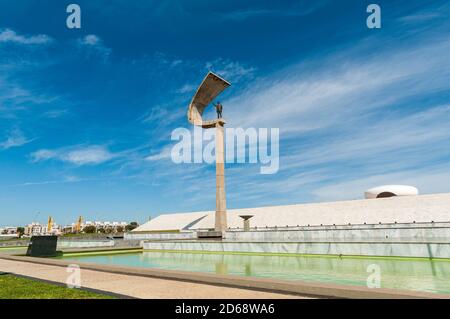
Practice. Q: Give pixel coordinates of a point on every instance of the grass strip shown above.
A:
(15, 287)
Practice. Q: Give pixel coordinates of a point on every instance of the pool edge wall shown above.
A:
(366, 249)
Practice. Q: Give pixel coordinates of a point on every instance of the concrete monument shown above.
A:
(210, 88)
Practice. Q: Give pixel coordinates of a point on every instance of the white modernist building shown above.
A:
(398, 209)
(396, 226)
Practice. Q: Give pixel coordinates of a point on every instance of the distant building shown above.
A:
(37, 229)
(68, 229)
(105, 225)
(8, 232)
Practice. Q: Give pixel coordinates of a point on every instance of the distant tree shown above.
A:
(109, 230)
(20, 231)
(89, 229)
(131, 226)
(101, 231)
(119, 229)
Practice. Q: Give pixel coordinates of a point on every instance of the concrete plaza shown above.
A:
(135, 286)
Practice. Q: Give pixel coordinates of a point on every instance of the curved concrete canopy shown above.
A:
(391, 190)
(210, 88)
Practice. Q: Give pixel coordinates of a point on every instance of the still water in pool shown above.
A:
(422, 275)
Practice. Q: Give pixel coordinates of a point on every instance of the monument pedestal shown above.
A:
(221, 204)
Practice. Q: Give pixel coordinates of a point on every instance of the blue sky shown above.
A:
(86, 115)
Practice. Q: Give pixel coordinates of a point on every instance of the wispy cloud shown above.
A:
(15, 98)
(53, 114)
(165, 153)
(93, 45)
(343, 89)
(91, 40)
(187, 88)
(433, 12)
(80, 155)
(434, 180)
(392, 136)
(231, 70)
(64, 180)
(161, 115)
(16, 138)
(11, 36)
(298, 9)
(420, 17)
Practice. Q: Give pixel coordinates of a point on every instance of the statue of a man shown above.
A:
(219, 109)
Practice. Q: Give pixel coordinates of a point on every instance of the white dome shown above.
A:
(391, 190)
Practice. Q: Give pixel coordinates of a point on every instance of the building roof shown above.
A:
(407, 209)
(170, 222)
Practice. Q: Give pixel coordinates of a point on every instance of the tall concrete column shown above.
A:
(221, 203)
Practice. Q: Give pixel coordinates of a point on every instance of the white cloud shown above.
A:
(231, 70)
(187, 88)
(53, 114)
(420, 17)
(90, 39)
(426, 15)
(15, 98)
(165, 153)
(298, 9)
(392, 136)
(15, 139)
(176, 62)
(340, 89)
(43, 155)
(11, 36)
(161, 116)
(93, 45)
(89, 155)
(428, 181)
(66, 179)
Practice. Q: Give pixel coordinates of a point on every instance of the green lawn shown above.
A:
(13, 287)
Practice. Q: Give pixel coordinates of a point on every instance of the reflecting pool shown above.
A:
(411, 274)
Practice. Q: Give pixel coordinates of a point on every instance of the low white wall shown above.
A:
(160, 236)
(85, 243)
(428, 250)
(427, 232)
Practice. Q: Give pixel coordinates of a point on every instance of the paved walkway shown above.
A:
(134, 286)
